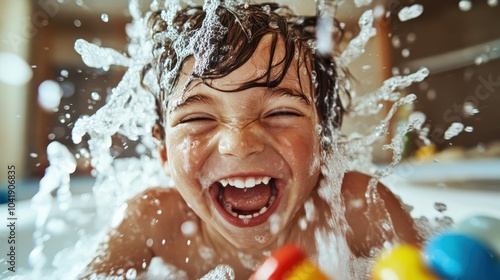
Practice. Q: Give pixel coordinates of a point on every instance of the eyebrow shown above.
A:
(278, 92)
(200, 98)
(197, 98)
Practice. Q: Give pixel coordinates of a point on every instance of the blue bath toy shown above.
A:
(461, 257)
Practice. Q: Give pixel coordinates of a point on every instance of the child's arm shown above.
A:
(125, 247)
(366, 230)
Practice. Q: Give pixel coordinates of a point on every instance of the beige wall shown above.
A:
(13, 112)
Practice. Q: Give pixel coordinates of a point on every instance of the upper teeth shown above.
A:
(248, 182)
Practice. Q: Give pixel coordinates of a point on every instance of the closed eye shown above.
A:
(195, 119)
(284, 114)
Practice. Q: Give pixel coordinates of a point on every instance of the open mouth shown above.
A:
(246, 201)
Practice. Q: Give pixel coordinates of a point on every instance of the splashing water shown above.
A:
(361, 3)
(54, 183)
(410, 12)
(357, 45)
(130, 112)
(325, 27)
(454, 129)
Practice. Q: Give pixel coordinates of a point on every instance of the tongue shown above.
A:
(251, 199)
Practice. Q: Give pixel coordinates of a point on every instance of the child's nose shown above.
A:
(241, 142)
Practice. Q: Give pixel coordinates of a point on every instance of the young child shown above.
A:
(241, 141)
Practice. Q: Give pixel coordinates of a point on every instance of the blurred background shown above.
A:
(45, 87)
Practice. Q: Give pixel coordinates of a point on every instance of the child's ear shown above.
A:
(159, 133)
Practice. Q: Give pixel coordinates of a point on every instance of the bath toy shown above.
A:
(288, 262)
(403, 262)
(484, 228)
(459, 257)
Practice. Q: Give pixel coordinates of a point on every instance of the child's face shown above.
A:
(215, 137)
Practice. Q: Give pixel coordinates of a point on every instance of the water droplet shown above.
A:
(104, 17)
(303, 224)
(49, 95)
(273, 25)
(260, 239)
(189, 228)
(395, 71)
(95, 96)
(454, 129)
(149, 242)
(396, 42)
(77, 23)
(64, 73)
(410, 12)
(469, 109)
(493, 3)
(445, 222)
(267, 9)
(361, 3)
(379, 11)
(34, 155)
(439, 206)
(405, 52)
(468, 129)
(465, 5)
(478, 60)
(275, 222)
(411, 37)
(131, 274)
(14, 70)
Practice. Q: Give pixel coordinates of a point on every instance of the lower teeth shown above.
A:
(263, 210)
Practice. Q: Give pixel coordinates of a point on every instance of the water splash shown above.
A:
(130, 112)
(325, 28)
(370, 104)
(223, 272)
(55, 183)
(356, 46)
(98, 57)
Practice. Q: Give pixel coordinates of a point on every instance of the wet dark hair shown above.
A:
(246, 25)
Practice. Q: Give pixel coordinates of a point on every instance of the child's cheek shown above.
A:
(185, 155)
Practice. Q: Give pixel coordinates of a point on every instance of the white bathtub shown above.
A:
(466, 187)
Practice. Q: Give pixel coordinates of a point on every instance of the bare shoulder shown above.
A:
(142, 220)
(364, 221)
(152, 200)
